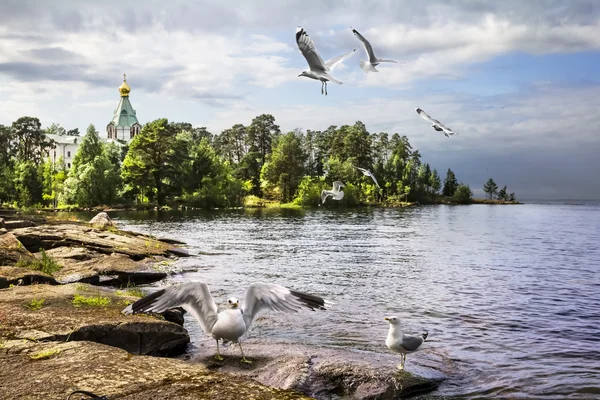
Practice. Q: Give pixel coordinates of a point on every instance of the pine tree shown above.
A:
(490, 188)
(450, 184)
(435, 182)
(502, 195)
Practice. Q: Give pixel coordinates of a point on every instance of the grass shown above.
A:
(290, 205)
(44, 355)
(35, 304)
(46, 265)
(93, 301)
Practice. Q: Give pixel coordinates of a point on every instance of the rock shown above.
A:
(80, 264)
(48, 371)
(170, 241)
(12, 250)
(102, 221)
(58, 319)
(325, 373)
(179, 252)
(10, 225)
(12, 275)
(2, 223)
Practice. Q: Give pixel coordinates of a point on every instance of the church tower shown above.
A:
(124, 125)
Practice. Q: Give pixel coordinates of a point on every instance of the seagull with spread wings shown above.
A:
(336, 192)
(437, 125)
(317, 69)
(232, 323)
(366, 172)
(373, 61)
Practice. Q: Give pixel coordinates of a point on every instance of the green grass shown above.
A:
(43, 355)
(94, 301)
(290, 205)
(35, 304)
(46, 265)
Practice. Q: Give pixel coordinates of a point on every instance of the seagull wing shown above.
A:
(337, 186)
(194, 297)
(446, 129)
(330, 64)
(307, 48)
(374, 180)
(263, 297)
(411, 343)
(364, 171)
(366, 45)
(426, 117)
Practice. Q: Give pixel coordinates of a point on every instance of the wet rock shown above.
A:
(179, 252)
(325, 373)
(23, 276)
(12, 250)
(47, 371)
(102, 221)
(10, 225)
(44, 312)
(170, 241)
(2, 223)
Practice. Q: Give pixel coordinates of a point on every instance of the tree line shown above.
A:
(490, 188)
(171, 163)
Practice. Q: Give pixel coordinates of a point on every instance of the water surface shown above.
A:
(510, 293)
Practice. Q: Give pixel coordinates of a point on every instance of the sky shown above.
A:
(519, 81)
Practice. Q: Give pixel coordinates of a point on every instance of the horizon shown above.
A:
(521, 93)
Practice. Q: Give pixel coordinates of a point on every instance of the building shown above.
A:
(65, 147)
(124, 125)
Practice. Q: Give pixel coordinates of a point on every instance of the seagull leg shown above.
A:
(244, 360)
(325, 88)
(322, 87)
(218, 356)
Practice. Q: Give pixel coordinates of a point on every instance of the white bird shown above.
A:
(336, 193)
(317, 69)
(366, 172)
(373, 61)
(401, 343)
(437, 125)
(230, 324)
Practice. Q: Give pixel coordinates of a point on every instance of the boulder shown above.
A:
(12, 250)
(2, 223)
(18, 224)
(102, 221)
(49, 313)
(23, 276)
(48, 371)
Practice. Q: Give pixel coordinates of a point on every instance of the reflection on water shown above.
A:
(510, 292)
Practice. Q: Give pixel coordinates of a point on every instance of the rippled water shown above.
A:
(510, 293)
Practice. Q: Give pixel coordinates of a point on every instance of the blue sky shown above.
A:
(519, 81)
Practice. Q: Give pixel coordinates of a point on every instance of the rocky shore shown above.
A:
(62, 288)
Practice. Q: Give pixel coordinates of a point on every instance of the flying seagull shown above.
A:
(401, 343)
(366, 172)
(335, 193)
(317, 69)
(437, 125)
(373, 61)
(230, 324)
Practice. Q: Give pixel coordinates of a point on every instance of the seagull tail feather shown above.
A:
(392, 61)
(367, 66)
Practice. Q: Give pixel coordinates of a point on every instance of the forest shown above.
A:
(169, 164)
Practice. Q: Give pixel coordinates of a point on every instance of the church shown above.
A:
(124, 125)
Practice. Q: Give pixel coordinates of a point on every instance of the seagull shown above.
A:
(317, 69)
(437, 125)
(230, 324)
(370, 65)
(335, 193)
(401, 343)
(366, 172)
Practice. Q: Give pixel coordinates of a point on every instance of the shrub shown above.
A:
(463, 194)
(46, 265)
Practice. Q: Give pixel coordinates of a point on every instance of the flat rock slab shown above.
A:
(11, 249)
(23, 276)
(324, 373)
(50, 236)
(58, 319)
(46, 371)
(80, 264)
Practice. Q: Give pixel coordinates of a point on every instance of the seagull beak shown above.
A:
(386, 319)
(237, 303)
(299, 75)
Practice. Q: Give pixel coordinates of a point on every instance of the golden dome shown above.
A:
(124, 89)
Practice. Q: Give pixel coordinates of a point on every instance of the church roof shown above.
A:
(124, 114)
(63, 139)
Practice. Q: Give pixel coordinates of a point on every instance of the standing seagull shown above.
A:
(437, 125)
(370, 65)
(317, 69)
(232, 323)
(366, 172)
(335, 193)
(401, 343)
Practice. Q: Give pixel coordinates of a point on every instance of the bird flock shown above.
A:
(321, 71)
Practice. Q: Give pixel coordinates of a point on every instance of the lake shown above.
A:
(510, 294)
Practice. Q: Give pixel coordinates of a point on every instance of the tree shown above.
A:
(435, 182)
(490, 188)
(29, 183)
(463, 194)
(450, 184)
(31, 141)
(502, 195)
(261, 133)
(512, 197)
(73, 132)
(56, 129)
(286, 165)
(154, 159)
